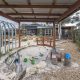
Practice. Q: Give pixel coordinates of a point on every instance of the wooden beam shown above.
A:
(54, 35)
(37, 14)
(34, 6)
(29, 3)
(71, 10)
(36, 19)
(19, 36)
(50, 11)
(5, 2)
(6, 16)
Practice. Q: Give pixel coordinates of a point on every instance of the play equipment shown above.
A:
(25, 59)
(55, 56)
(67, 59)
(7, 37)
(32, 60)
(67, 56)
(54, 60)
(16, 61)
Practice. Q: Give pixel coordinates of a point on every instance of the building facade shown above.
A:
(37, 29)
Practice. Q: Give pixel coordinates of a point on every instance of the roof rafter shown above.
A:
(37, 14)
(53, 3)
(33, 18)
(36, 19)
(29, 3)
(34, 6)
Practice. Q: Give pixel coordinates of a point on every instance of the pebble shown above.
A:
(63, 73)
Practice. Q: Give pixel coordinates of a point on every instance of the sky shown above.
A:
(73, 15)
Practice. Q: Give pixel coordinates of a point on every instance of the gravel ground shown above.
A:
(61, 73)
(70, 74)
(68, 46)
(52, 72)
(57, 73)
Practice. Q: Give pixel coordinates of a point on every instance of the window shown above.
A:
(48, 32)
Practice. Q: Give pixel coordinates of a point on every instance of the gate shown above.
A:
(45, 41)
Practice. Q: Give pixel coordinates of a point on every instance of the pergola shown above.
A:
(38, 11)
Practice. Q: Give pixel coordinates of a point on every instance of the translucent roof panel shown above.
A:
(59, 10)
(28, 16)
(17, 1)
(41, 2)
(41, 17)
(1, 2)
(7, 10)
(15, 15)
(23, 10)
(41, 10)
(53, 16)
(65, 1)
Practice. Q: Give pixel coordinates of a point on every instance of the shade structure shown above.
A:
(38, 10)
